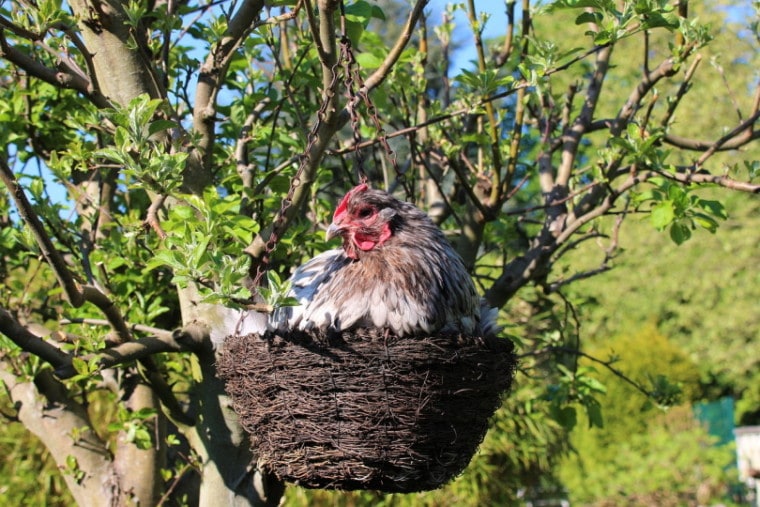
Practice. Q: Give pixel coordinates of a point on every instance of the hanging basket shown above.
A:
(364, 410)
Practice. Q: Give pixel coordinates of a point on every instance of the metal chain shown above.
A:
(274, 236)
(355, 93)
(359, 94)
(390, 154)
(347, 58)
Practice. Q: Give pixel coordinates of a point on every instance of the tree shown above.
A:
(204, 144)
(644, 455)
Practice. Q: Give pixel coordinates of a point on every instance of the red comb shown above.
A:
(344, 202)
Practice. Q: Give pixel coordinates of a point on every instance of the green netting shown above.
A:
(718, 418)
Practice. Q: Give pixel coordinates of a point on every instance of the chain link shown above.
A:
(295, 182)
(355, 93)
(349, 63)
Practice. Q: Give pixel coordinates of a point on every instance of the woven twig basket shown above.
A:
(364, 410)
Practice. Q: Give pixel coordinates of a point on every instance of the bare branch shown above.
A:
(127, 352)
(377, 77)
(604, 266)
(681, 93)
(741, 132)
(30, 342)
(65, 429)
(606, 364)
(689, 176)
(506, 49)
(648, 81)
(210, 81)
(151, 220)
(573, 134)
(73, 80)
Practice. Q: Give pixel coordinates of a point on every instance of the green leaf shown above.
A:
(121, 137)
(360, 11)
(662, 214)
(715, 208)
(594, 385)
(378, 13)
(679, 232)
(589, 17)
(111, 154)
(368, 60)
(602, 37)
(705, 222)
(567, 416)
(160, 125)
(594, 412)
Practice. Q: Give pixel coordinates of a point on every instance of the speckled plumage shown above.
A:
(396, 271)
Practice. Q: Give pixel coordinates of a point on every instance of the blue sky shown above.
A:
(495, 26)
(462, 58)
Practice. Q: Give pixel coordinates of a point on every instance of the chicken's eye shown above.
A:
(365, 212)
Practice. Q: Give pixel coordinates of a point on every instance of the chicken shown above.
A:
(395, 271)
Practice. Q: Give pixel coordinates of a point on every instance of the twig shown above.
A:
(665, 69)
(151, 220)
(30, 342)
(730, 136)
(141, 328)
(606, 364)
(377, 77)
(685, 84)
(490, 112)
(177, 479)
(498, 194)
(556, 202)
(748, 135)
(604, 266)
(506, 49)
(125, 353)
(285, 16)
(701, 178)
(51, 76)
(464, 181)
(730, 91)
(432, 121)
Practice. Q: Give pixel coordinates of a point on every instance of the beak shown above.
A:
(332, 231)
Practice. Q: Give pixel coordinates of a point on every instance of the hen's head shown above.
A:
(365, 219)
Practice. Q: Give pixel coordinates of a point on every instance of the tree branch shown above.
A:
(69, 79)
(125, 353)
(30, 342)
(573, 135)
(606, 364)
(377, 77)
(211, 78)
(65, 429)
(327, 122)
(688, 176)
(682, 89)
(742, 133)
(648, 81)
